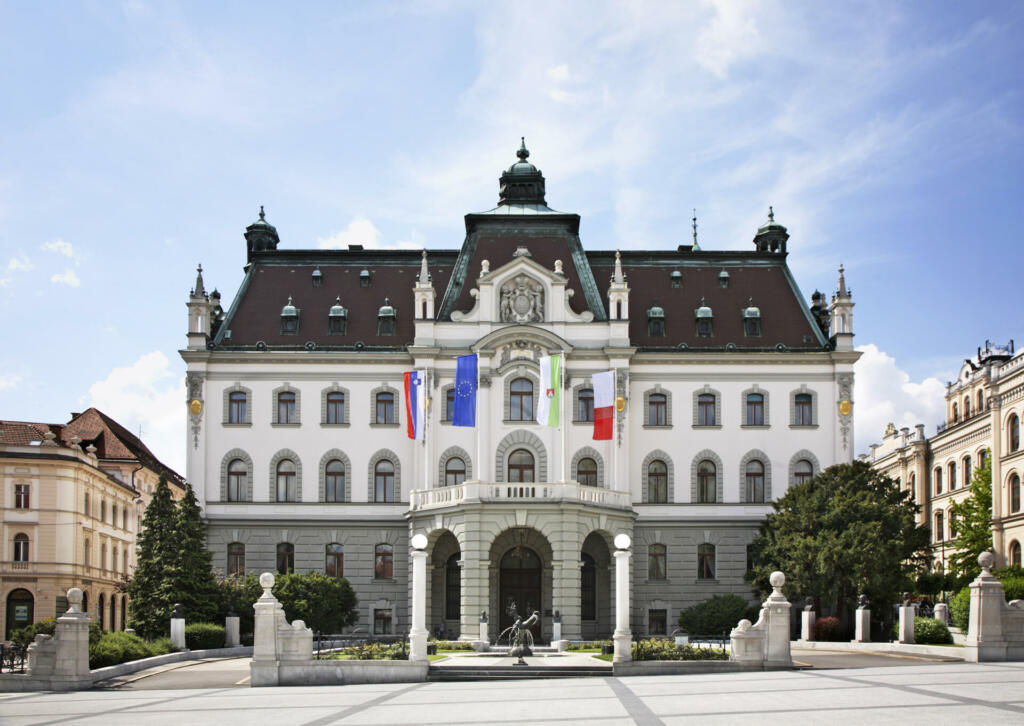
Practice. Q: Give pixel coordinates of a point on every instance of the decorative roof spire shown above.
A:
(842, 292)
(696, 247)
(771, 213)
(424, 273)
(522, 183)
(618, 277)
(261, 236)
(263, 217)
(199, 290)
(523, 152)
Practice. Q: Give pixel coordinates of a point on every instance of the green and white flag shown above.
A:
(550, 400)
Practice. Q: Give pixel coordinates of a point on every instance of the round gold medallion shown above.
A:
(845, 407)
(620, 404)
(195, 406)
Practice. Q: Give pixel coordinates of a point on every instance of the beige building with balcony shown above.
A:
(73, 497)
(984, 407)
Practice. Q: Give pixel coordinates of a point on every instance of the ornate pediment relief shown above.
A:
(521, 300)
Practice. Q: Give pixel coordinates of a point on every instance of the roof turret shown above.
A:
(261, 236)
(521, 183)
(771, 236)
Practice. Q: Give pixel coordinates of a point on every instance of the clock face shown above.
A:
(845, 407)
(195, 406)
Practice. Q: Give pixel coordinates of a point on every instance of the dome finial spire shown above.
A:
(696, 247)
(523, 152)
(771, 213)
(263, 217)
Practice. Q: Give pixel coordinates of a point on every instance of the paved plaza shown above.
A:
(932, 693)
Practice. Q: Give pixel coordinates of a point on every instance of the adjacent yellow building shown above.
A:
(73, 497)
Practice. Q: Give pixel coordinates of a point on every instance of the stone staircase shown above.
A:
(511, 672)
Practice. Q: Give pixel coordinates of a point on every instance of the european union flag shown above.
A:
(465, 391)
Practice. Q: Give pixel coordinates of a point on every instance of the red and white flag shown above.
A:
(604, 404)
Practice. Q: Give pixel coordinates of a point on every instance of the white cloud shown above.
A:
(21, 263)
(151, 395)
(559, 73)
(361, 231)
(8, 383)
(731, 35)
(884, 393)
(60, 247)
(68, 277)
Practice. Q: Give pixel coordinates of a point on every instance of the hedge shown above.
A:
(202, 636)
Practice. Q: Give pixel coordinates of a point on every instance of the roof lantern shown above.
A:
(771, 236)
(521, 183)
(261, 236)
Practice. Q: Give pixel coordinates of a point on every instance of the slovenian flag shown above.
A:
(550, 402)
(415, 404)
(604, 405)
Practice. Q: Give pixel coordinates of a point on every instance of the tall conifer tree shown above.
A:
(192, 573)
(150, 590)
(973, 517)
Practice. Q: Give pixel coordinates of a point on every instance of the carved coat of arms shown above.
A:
(522, 301)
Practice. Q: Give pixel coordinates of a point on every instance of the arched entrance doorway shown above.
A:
(520, 587)
(20, 607)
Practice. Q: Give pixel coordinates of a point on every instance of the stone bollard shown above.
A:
(484, 635)
(623, 637)
(178, 627)
(64, 658)
(985, 638)
(231, 630)
(862, 623)
(274, 640)
(807, 618)
(556, 627)
(906, 627)
(942, 612)
(767, 640)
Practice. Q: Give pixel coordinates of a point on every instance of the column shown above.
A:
(418, 633)
(623, 637)
(475, 592)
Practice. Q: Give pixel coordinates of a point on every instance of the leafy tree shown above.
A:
(973, 517)
(151, 590)
(192, 577)
(237, 594)
(326, 604)
(719, 614)
(846, 531)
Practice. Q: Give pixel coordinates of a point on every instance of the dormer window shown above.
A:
(705, 321)
(677, 278)
(723, 279)
(656, 321)
(364, 278)
(337, 319)
(289, 319)
(318, 278)
(752, 321)
(386, 318)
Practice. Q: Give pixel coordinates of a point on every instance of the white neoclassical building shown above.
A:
(732, 386)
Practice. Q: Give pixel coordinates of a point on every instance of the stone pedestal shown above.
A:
(64, 658)
(862, 625)
(942, 612)
(556, 631)
(178, 633)
(905, 631)
(623, 637)
(231, 632)
(807, 620)
(776, 611)
(275, 642)
(418, 632)
(985, 638)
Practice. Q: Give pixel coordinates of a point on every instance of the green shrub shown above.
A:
(25, 636)
(201, 636)
(160, 646)
(829, 630)
(588, 645)
(929, 631)
(453, 645)
(665, 649)
(1013, 587)
(960, 608)
(719, 614)
(1009, 572)
(373, 651)
(113, 648)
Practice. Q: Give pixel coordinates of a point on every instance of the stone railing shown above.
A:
(476, 491)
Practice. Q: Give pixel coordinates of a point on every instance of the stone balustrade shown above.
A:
(477, 491)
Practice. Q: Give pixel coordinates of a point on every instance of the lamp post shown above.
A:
(418, 632)
(622, 637)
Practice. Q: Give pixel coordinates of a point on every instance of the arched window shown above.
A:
(286, 487)
(706, 410)
(706, 561)
(657, 482)
(951, 523)
(124, 563)
(236, 559)
(114, 559)
(755, 409)
(981, 401)
(86, 554)
(707, 482)
(952, 475)
(124, 612)
(585, 406)
(937, 476)
(521, 400)
(939, 530)
(237, 403)
(334, 481)
(237, 473)
(385, 408)
(101, 611)
(21, 547)
(103, 555)
(755, 481)
(521, 467)
(657, 409)
(588, 588)
(967, 407)
(383, 562)
(335, 407)
(452, 588)
(285, 558)
(1014, 432)
(384, 481)
(286, 408)
(967, 471)
(454, 471)
(334, 560)
(656, 566)
(1014, 494)
(802, 410)
(956, 412)
(1015, 553)
(586, 472)
(803, 471)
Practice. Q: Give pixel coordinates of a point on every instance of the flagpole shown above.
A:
(426, 427)
(561, 413)
(615, 430)
(476, 416)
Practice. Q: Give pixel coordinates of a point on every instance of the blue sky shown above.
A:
(139, 138)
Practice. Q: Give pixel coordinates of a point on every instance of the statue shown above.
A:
(522, 638)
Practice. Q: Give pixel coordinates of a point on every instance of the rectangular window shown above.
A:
(21, 496)
(383, 567)
(585, 410)
(706, 562)
(449, 404)
(286, 408)
(236, 407)
(85, 507)
(656, 562)
(236, 559)
(382, 622)
(802, 410)
(657, 405)
(755, 409)
(335, 408)
(334, 566)
(706, 410)
(385, 408)
(657, 622)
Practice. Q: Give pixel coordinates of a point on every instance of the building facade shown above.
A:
(984, 407)
(731, 386)
(73, 498)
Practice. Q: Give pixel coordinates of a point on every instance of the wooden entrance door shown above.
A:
(520, 588)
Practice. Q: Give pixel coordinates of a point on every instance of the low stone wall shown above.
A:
(134, 666)
(946, 652)
(336, 672)
(687, 667)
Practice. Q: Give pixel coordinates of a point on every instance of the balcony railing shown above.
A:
(477, 491)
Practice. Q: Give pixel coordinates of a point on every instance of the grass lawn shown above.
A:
(607, 657)
(439, 656)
